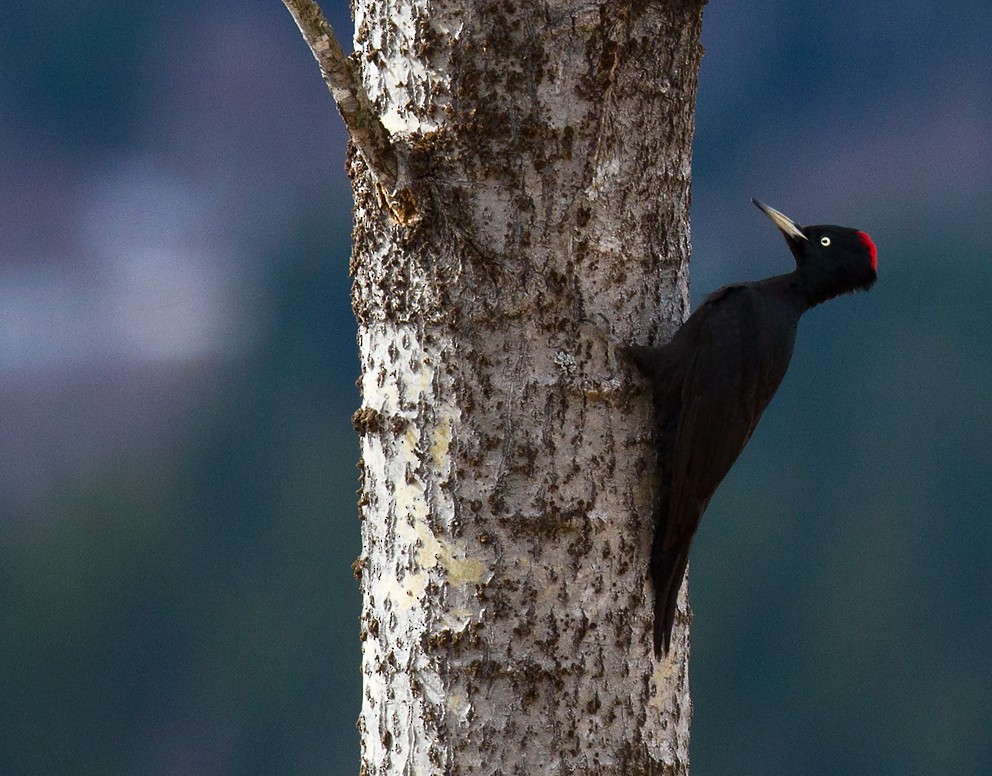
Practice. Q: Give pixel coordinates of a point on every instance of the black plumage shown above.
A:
(715, 377)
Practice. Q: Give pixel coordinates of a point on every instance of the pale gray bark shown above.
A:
(507, 469)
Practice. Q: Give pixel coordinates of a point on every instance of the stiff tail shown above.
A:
(667, 571)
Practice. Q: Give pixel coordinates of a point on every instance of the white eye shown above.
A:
(824, 241)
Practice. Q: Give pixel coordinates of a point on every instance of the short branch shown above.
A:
(367, 132)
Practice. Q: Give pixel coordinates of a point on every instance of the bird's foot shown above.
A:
(605, 333)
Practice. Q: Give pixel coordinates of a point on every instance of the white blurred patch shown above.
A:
(149, 284)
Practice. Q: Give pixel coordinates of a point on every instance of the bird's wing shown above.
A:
(738, 347)
(719, 410)
(713, 423)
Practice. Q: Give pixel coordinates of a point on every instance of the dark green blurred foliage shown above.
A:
(84, 82)
(202, 617)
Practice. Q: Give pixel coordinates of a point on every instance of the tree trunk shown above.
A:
(507, 467)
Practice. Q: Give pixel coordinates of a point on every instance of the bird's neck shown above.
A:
(820, 284)
(788, 287)
(804, 290)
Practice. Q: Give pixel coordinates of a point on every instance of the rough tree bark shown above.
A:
(540, 187)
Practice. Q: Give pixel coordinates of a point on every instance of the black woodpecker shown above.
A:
(715, 377)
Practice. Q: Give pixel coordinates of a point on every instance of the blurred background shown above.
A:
(177, 367)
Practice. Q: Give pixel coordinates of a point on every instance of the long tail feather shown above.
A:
(667, 570)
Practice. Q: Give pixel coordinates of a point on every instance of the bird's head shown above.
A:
(830, 260)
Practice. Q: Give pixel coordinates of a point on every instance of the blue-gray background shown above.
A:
(177, 367)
